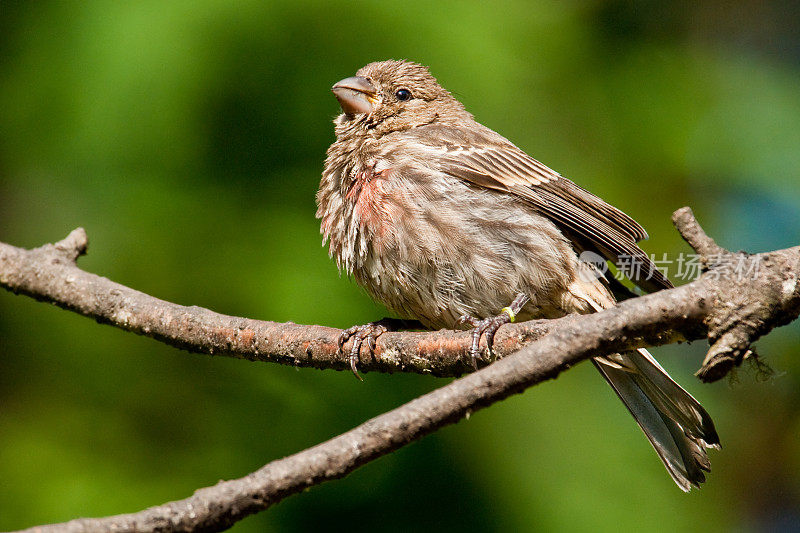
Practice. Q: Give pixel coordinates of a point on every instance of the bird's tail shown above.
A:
(676, 424)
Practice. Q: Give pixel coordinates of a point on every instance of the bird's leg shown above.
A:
(369, 333)
(489, 326)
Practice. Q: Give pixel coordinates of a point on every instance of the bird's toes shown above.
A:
(487, 328)
(360, 334)
(345, 335)
(468, 319)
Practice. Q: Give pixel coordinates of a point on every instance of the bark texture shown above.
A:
(731, 311)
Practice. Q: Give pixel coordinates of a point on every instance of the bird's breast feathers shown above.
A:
(370, 193)
(358, 208)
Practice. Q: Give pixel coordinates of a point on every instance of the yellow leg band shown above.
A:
(510, 313)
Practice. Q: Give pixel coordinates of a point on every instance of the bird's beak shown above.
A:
(356, 95)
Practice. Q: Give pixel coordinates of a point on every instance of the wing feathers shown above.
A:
(489, 160)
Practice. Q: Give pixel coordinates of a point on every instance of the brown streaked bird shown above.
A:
(447, 222)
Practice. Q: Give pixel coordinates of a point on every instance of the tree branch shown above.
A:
(763, 295)
(50, 274)
(732, 311)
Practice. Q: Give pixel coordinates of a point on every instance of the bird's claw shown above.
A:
(481, 327)
(489, 327)
(365, 332)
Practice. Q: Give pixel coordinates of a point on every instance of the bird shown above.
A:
(447, 223)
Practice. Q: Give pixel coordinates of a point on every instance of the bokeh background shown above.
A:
(188, 139)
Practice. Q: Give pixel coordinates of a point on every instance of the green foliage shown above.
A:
(188, 137)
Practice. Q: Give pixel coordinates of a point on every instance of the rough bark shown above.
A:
(730, 311)
(50, 274)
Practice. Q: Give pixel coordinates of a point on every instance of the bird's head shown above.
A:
(389, 96)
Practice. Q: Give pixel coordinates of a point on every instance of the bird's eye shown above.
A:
(403, 95)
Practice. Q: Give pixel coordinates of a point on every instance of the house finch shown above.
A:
(445, 221)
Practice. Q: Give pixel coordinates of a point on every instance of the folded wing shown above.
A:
(487, 159)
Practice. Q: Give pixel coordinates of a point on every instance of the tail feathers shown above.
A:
(677, 426)
(673, 400)
(675, 423)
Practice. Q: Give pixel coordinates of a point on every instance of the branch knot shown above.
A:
(73, 245)
(748, 289)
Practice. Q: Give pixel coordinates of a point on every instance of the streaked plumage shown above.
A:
(438, 216)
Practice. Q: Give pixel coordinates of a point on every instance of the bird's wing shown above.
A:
(482, 157)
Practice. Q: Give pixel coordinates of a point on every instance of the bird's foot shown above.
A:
(369, 333)
(489, 326)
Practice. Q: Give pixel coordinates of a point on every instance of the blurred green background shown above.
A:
(188, 139)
